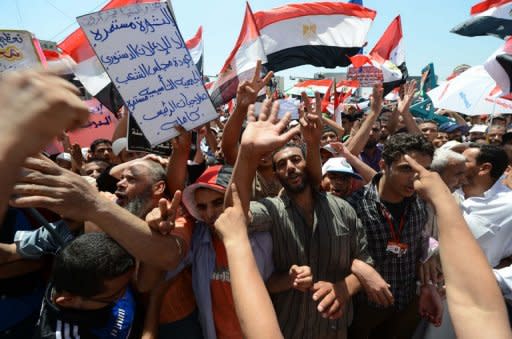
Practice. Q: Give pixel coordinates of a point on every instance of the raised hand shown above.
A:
(376, 99)
(263, 135)
(405, 102)
(429, 185)
(45, 105)
(247, 91)
(163, 217)
(182, 142)
(311, 121)
(43, 184)
(231, 225)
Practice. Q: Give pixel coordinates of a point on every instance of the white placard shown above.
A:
(145, 56)
(17, 50)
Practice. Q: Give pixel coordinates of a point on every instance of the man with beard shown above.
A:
(311, 288)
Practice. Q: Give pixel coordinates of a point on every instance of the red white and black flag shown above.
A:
(321, 34)
(241, 63)
(489, 17)
(388, 55)
(196, 49)
(499, 66)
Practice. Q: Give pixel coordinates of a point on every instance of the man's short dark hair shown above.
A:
(97, 142)
(400, 144)
(83, 266)
(429, 121)
(289, 145)
(97, 160)
(493, 154)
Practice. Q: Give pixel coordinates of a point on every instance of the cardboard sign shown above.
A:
(137, 141)
(17, 50)
(146, 58)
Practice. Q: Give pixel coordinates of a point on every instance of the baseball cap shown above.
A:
(449, 127)
(215, 178)
(339, 165)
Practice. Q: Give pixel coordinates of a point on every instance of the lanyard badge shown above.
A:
(394, 245)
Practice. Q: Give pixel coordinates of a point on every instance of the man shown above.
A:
(372, 152)
(453, 130)
(451, 166)
(329, 135)
(94, 167)
(89, 294)
(393, 217)
(429, 129)
(311, 289)
(495, 134)
(102, 149)
(486, 202)
(338, 176)
(440, 139)
(210, 274)
(477, 132)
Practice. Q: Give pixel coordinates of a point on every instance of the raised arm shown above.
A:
(254, 309)
(475, 302)
(403, 107)
(177, 167)
(246, 95)
(261, 137)
(311, 123)
(358, 141)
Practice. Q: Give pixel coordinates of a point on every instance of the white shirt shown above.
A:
(489, 218)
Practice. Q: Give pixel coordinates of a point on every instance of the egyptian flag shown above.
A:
(389, 56)
(326, 100)
(499, 66)
(321, 34)
(489, 17)
(241, 63)
(196, 49)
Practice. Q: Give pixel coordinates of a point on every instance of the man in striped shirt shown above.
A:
(316, 236)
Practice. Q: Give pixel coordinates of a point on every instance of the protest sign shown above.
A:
(285, 105)
(101, 125)
(146, 58)
(366, 75)
(137, 141)
(17, 50)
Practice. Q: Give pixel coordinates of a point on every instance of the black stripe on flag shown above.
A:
(505, 61)
(484, 25)
(320, 56)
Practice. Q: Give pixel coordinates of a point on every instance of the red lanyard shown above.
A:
(394, 236)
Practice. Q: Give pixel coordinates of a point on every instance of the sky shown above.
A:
(426, 28)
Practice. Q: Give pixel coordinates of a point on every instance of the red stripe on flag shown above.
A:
(248, 32)
(360, 60)
(196, 39)
(327, 97)
(291, 11)
(485, 5)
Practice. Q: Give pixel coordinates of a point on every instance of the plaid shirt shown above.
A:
(399, 272)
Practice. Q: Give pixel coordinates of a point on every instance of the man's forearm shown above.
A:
(358, 141)
(231, 134)
(243, 176)
(314, 164)
(136, 236)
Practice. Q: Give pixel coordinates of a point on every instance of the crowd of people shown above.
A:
(386, 226)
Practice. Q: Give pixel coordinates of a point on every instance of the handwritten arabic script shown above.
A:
(16, 50)
(144, 54)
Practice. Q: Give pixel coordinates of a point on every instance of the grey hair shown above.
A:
(442, 157)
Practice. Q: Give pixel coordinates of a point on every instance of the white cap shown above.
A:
(64, 156)
(339, 165)
(478, 129)
(118, 145)
(455, 146)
